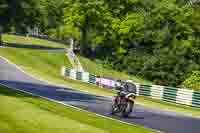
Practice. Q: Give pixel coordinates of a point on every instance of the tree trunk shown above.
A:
(83, 41)
(1, 43)
(58, 36)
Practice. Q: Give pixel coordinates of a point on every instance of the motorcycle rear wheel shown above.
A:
(127, 109)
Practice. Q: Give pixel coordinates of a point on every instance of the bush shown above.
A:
(193, 81)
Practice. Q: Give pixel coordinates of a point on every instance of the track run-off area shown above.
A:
(163, 121)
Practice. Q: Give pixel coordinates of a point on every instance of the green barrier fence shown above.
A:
(165, 93)
(67, 72)
(145, 90)
(196, 99)
(170, 94)
(79, 75)
(92, 79)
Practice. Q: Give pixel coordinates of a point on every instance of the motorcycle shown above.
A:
(123, 104)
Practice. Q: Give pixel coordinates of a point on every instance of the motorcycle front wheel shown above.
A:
(115, 109)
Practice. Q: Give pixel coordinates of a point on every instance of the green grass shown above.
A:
(30, 41)
(47, 65)
(99, 69)
(37, 62)
(23, 113)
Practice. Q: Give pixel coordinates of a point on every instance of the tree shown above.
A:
(54, 12)
(87, 16)
(21, 14)
(3, 11)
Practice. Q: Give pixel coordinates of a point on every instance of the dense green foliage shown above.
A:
(151, 39)
(193, 81)
(17, 16)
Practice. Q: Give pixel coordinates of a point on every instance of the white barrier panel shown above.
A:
(85, 77)
(138, 88)
(184, 96)
(62, 71)
(73, 74)
(157, 91)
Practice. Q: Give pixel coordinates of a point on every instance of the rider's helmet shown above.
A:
(129, 81)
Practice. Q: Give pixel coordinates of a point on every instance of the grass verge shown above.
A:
(23, 113)
(30, 41)
(99, 69)
(47, 65)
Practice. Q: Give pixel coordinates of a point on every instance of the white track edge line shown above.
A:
(48, 82)
(59, 102)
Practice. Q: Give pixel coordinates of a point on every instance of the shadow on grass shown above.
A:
(12, 93)
(31, 46)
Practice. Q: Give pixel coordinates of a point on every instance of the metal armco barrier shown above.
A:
(165, 93)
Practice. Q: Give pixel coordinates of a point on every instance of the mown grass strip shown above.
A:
(30, 41)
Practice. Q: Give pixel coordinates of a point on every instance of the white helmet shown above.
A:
(129, 81)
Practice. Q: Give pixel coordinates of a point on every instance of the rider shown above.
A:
(124, 87)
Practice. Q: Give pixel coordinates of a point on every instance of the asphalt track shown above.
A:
(163, 121)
